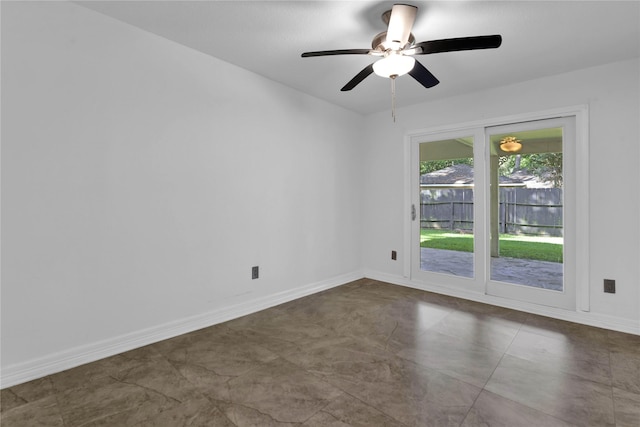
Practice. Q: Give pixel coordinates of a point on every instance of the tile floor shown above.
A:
(363, 354)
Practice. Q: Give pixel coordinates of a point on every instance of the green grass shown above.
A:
(542, 248)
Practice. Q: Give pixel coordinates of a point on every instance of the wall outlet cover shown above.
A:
(610, 286)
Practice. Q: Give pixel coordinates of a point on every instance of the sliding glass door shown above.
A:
(492, 208)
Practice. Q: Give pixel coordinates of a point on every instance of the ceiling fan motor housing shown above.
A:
(379, 39)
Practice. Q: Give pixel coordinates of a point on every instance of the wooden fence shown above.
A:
(536, 211)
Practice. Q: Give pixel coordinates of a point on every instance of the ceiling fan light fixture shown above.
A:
(397, 46)
(394, 64)
(510, 144)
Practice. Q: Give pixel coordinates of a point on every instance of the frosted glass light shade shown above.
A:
(394, 65)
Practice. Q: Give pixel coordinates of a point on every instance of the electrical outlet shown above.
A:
(255, 272)
(394, 255)
(610, 286)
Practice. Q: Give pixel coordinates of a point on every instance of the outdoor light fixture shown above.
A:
(510, 144)
(393, 65)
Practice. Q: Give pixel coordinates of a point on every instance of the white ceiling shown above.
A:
(267, 37)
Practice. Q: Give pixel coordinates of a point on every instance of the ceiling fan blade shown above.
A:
(358, 78)
(461, 43)
(423, 76)
(400, 23)
(337, 52)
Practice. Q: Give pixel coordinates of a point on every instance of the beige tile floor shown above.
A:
(363, 354)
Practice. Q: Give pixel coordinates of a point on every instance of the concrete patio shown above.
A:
(539, 274)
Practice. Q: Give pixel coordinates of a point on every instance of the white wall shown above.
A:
(141, 180)
(612, 94)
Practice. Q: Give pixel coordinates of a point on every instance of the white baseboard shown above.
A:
(585, 318)
(57, 362)
(37, 368)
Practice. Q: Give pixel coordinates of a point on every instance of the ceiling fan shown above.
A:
(396, 48)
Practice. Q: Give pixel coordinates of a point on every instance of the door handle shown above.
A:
(413, 212)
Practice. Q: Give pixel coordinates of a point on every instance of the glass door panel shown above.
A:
(527, 186)
(526, 208)
(446, 214)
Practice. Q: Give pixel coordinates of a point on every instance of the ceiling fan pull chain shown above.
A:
(393, 98)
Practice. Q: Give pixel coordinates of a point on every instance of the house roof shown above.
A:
(456, 174)
(462, 175)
